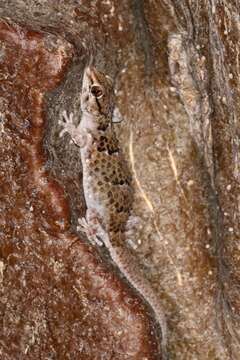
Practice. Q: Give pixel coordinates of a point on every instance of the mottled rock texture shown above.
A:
(176, 70)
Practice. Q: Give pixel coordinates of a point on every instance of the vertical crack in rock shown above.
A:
(226, 144)
(142, 34)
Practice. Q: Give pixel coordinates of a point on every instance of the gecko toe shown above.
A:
(62, 132)
(68, 119)
(82, 224)
(90, 232)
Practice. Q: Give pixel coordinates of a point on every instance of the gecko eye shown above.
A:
(97, 91)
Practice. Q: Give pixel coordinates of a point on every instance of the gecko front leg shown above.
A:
(80, 138)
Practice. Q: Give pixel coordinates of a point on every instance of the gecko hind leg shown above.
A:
(85, 227)
(92, 227)
(133, 224)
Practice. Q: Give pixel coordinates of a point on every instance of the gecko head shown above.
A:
(97, 93)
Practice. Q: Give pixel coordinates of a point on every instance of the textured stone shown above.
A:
(176, 71)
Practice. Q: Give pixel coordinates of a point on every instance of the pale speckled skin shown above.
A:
(107, 184)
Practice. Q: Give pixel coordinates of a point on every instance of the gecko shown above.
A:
(107, 184)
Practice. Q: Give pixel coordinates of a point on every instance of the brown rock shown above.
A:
(176, 71)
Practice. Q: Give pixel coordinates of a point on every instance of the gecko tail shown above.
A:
(132, 271)
(129, 267)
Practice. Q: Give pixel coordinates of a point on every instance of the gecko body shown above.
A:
(107, 183)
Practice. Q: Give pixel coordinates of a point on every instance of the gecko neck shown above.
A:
(98, 122)
(88, 121)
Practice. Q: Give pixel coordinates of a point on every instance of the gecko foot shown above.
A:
(90, 231)
(79, 138)
(67, 123)
(133, 223)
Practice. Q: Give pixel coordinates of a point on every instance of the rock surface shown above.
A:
(176, 72)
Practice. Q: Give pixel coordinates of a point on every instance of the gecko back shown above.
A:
(106, 178)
